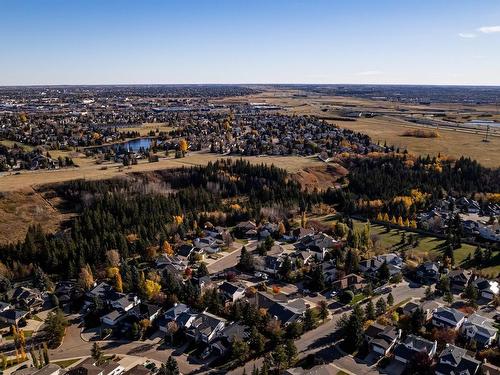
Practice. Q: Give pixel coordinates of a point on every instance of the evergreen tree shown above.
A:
(370, 311)
(390, 299)
(381, 306)
(97, 354)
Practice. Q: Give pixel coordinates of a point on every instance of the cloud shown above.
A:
(489, 29)
(369, 73)
(467, 35)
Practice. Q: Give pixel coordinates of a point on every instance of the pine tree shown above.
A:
(381, 306)
(97, 354)
(370, 310)
(390, 299)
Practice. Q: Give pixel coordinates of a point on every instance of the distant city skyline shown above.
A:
(437, 42)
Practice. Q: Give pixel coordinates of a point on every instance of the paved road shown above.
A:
(230, 260)
(73, 346)
(320, 340)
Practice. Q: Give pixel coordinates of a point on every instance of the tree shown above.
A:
(86, 279)
(443, 285)
(183, 146)
(310, 319)
(417, 320)
(239, 350)
(97, 354)
(246, 262)
(56, 325)
(170, 367)
(202, 270)
(286, 268)
(257, 341)
(294, 330)
(420, 364)
(448, 298)
(151, 288)
(118, 282)
(390, 299)
(428, 292)
(291, 352)
(113, 258)
(280, 358)
(383, 272)
(472, 294)
(46, 353)
(444, 336)
(381, 306)
(346, 296)
(323, 310)
(167, 248)
(370, 311)
(354, 329)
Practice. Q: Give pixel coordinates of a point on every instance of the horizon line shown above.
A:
(246, 84)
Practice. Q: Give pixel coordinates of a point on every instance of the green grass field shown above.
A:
(429, 247)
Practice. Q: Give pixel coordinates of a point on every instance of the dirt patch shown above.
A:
(20, 209)
(321, 177)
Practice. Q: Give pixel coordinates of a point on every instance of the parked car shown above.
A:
(332, 294)
(382, 290)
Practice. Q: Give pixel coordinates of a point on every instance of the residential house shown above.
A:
(350, 282)
(371, 266)
(231, 292)
(459, 279)
(455, 361)
(319, 244)
(488, 289)
(13, 316)
(468, 205)
(29, 299)
(205, 326)
(208, 244)
(145, 311)
(428, 308)
(381, 339)
(446, 317)
(412, 345)
(428, 273)
(490, 232)
(299, 233)
(186, 251)
(49, 369)
(490, 369)
(246, 229)
(479, 329)
(288, 312)
(174, 314)
(138, 370)
(222, 344)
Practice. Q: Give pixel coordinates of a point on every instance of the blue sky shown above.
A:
(249, 41)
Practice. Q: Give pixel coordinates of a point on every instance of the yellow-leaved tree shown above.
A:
(167, 248)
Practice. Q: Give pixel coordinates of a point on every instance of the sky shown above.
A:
(249, 41)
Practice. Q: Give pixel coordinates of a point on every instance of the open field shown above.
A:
(429, 247)
(145, 128)
(20, 209)
(89, 170)
(451, 143)
(391, 126)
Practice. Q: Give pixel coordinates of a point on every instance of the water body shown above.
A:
(136, 144)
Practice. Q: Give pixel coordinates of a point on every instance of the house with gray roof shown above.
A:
(446, 317)
(479, 329)
(455, 361)
(405, 351)
(205, 327)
